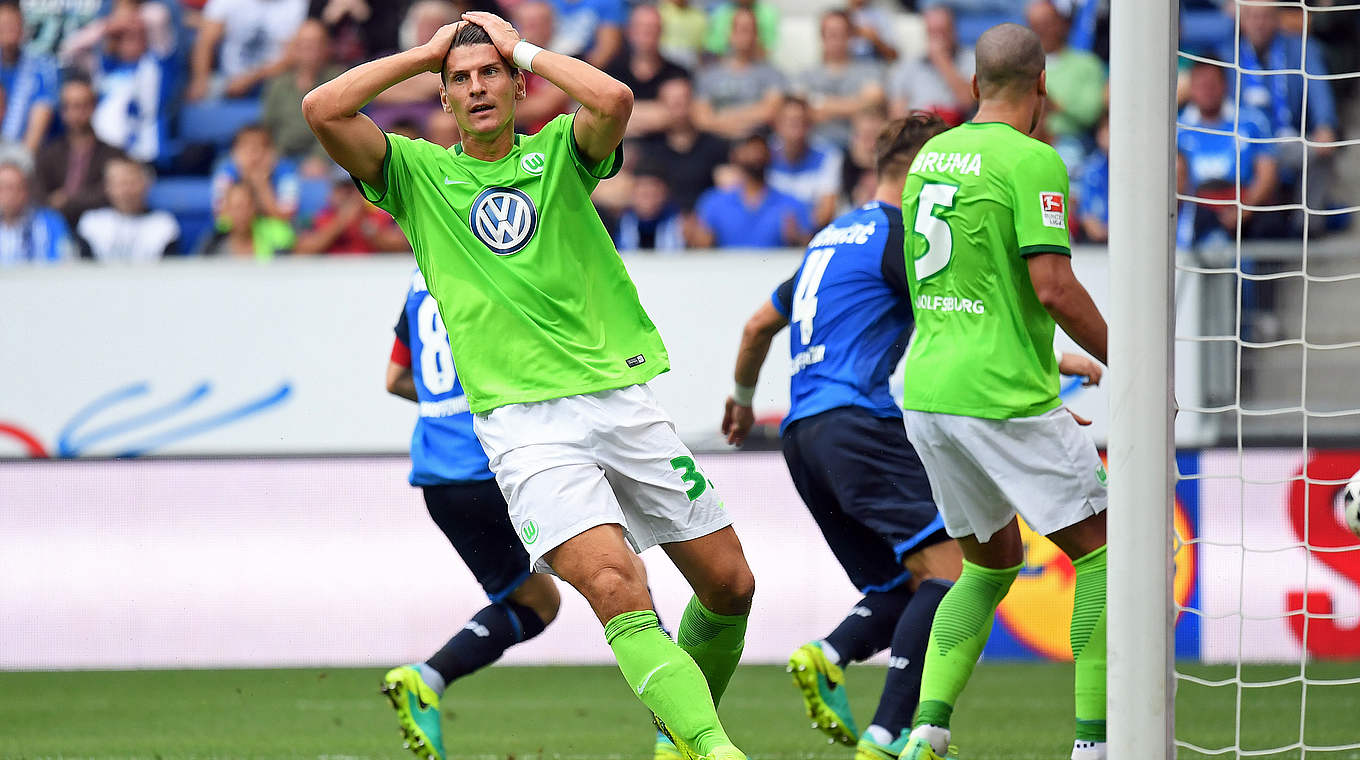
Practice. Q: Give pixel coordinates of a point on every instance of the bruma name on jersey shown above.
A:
(443, 447)
(850, 315)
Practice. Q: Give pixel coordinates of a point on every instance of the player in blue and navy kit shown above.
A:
(848, 453)
(449, 465)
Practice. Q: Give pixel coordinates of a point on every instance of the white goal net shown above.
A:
(1267, 593)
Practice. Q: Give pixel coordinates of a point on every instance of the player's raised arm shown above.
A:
(760, 330)
(606, 103)
(332, 109)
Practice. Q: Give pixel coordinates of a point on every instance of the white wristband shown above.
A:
(523, 54)
(743, 395)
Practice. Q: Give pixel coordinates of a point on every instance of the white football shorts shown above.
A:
(569, 464)
(983, 472)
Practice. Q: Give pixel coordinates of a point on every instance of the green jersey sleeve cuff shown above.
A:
(606, 168)
(373, 194)
(1034, 250)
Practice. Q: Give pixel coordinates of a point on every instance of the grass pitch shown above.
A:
(1010, 712)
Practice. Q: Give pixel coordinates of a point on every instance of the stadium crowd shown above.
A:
(136, 129)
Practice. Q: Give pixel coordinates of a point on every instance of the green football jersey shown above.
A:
(537, 302)
(979, 199)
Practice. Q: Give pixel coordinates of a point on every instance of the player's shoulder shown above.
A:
(870, 223)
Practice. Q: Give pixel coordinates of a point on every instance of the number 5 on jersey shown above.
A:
(939, 238)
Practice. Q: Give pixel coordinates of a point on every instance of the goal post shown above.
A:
(1140, 693)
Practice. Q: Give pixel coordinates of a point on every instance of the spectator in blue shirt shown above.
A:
(750, 214)
(650, 222)
(134, 85)
(807, 169)
(273, 181)
(1093, 188)
(589, 29)
(29, 82)
(1280, 97)
(1215, 161)
(28, 233)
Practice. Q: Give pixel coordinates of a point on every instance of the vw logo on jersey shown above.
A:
(533, 162)
(504, 219)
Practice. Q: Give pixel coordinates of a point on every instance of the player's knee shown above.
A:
(733, 592)
(613, 586)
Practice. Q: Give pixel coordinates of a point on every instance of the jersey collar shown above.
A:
(458, 147)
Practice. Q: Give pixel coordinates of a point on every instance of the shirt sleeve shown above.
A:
(612, 12)
(1039, 203)
(403, 327)
(401, 353)
(396, 175)
(782, 298)
(894, 263)
(591, 173)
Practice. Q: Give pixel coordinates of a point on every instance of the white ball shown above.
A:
(1350, 504)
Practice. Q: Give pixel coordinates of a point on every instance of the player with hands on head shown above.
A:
(554, 350)
(989, 262)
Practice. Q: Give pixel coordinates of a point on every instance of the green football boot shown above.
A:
(868, 749)
(727, 752)
(665, 748)
(920, 749)
(822, 684)
(417, 707)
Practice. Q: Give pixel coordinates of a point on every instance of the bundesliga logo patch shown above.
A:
(1051, 205)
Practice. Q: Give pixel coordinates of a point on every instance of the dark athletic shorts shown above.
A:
(474, 518)
(867, 489)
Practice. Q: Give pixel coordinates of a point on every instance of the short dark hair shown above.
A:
(839, 13)
(1009, 57)
(252, 128)
(467, 35)
(897, 144)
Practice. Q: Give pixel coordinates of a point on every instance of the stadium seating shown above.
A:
(216, 122)
(190, 200)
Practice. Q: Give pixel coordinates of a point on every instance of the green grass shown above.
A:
(1010, 712)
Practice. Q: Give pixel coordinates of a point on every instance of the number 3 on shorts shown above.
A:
(689, 472)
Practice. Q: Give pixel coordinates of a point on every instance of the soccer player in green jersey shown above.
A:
(554, 349)
(988, 261)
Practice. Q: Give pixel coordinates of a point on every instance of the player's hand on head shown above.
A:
(1078, 365)
(437, 49)
(503, 34)
(737, 421)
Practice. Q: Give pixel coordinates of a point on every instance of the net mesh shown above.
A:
(1276, 608)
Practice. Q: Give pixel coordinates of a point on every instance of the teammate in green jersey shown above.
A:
(554, 349)
(987, 258)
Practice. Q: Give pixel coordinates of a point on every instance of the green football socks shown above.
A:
(962, 624)
(666, 679)
(1088, 645)
(714, 641)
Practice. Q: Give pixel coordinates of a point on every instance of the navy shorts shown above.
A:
(474, 518)
(867, 489)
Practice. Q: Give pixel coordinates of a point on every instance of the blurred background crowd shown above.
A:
(138, 129)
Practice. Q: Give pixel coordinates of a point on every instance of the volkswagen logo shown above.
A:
(504, 219)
